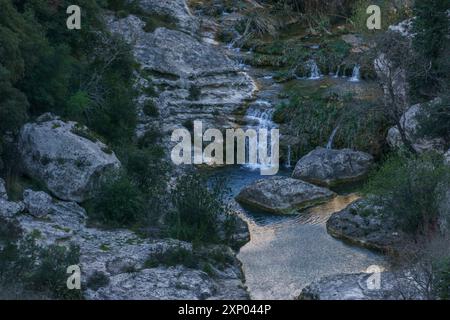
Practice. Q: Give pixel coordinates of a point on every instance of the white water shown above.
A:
(288, 160)
(259, 116)
(356, 75)
(331, 139)
(337, 72)
(314, 71)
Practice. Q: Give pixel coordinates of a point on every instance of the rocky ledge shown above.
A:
(329, 167)
(362, 224)
(283, 195)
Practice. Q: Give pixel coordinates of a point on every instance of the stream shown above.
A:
(286, 253)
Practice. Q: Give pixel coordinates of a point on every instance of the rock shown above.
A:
(177, 9)
(38, 204)
(352, 287)
(9, 209)
(361, 224)
(283, 195)
(172, 283)
(410, 125)
(447, 157)
(404, 28)
(64, 156)
(329, 167)
(3, 194)
(193, 80)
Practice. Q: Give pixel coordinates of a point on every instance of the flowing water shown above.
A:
(286, 253)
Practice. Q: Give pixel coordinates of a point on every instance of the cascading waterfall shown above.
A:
(259, 116)
(356, 75)
(314, 70)
(331, 139)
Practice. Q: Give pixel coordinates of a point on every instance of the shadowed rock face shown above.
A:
(70, 165)
(283, 195)
(330, 167)
(361, 224)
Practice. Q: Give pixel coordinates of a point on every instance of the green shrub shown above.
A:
(97, 280)
(194, 92)
(150, 109)
(39, 269)
(197, 208)
(172, 257)
(118, 203)
(434, 122)
(410, 189)
(154, 21)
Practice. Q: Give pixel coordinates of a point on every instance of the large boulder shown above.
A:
(357, 286)
(329, 167)
(65, 156)
(282, 195)
(361, 223)
(410, 125)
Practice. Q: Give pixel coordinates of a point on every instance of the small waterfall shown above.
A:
(314, 70)
(259, 116)
(337, 72)
(288, 160)
(331, 139)
(356, 75)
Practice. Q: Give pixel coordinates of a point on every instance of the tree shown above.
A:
(431, 43)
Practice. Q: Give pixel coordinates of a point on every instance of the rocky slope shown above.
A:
(121, 256)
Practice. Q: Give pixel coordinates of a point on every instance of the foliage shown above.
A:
(39, 269)
(172, 257)
(313, 113)
(431, 43)
(118, 203)
(434, 120)
(150, 109)
(197, 209)
(410, 189)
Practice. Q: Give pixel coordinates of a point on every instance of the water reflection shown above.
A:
(286, 253)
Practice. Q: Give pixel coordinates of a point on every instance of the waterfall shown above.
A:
(337, 72)
(259, 116)
(356, 73)
(314, 70)
(288, 160)
(331, 139)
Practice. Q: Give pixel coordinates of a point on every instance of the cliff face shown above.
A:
(192, 79)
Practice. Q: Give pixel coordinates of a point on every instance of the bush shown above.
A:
(150, 109)
(194, 92)
(154, 21)
(97, 280)
(119, 202)
(410, 189)
(197, 209)
(434, 121)
(172, 257)
(39, 269)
